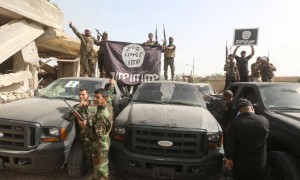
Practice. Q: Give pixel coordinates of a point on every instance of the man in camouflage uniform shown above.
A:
(232, 72)
(110, 88)
(169, 53)
(87, 59)
(81, 108)
(96, 128)
(255, 72)
(266, 69)
(101, 62)
(150, 41)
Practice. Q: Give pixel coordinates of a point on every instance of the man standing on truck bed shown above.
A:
(169, 51)
(242, 63)
(232, 72)
(87, 59)
(101, 56)
(96, 128)
(255, 72)
(266, 69)
(246, 144)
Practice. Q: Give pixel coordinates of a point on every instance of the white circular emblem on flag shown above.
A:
(246, 34)
(133, 55)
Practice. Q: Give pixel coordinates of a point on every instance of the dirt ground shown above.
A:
(63, 175)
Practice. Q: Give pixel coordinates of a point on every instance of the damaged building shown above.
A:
(31, 35)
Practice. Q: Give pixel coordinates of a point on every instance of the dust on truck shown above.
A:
(37, 136)
(167, 132)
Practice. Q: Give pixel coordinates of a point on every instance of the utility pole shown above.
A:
(193, 69)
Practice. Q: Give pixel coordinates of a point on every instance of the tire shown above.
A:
(282, 166)
(215, 177)
(76, 162)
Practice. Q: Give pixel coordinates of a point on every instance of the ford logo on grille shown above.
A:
(1, 134)
(165, 143)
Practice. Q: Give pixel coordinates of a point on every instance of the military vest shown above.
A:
(170, 53)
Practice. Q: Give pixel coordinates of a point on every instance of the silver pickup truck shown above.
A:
(35, 135)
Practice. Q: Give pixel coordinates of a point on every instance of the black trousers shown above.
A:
(244, 78)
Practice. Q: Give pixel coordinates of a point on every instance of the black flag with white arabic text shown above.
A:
(132, 63)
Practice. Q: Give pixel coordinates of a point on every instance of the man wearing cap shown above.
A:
(255, 72)
(232, 72)
(242, 63)
(87, 58)
(169, 58)
(266, 69)
(246, 151)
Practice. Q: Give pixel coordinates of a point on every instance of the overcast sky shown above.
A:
(200, 28)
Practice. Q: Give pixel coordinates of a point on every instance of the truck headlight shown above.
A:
(120, 130)
(214, 140)
(53, 134)
(53, 131)
(119, 134)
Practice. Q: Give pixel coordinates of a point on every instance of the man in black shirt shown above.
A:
(229, 113)
(242, 63)
(246, 144)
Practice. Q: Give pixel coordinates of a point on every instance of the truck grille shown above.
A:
(186, 143)
(18, 135)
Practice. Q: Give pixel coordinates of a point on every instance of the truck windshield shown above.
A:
(282, 97)
(169, 93)
(69, 88)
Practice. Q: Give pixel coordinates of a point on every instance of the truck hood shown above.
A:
(292, 117)
(46, 112)
(166, 115)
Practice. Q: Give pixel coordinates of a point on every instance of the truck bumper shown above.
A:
(46, 157)
(208, 165)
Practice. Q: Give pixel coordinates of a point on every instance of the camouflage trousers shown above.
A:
(97, 153)
(87, 66)
(86, 150)
(100, 164)
(169, 62)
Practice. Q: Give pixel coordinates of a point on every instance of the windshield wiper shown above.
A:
(284, 108)
(67, 98)
(183, 103)
(44, 96)
(149, 101)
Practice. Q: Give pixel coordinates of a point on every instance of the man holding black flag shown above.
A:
(150, 41)
(242, 63)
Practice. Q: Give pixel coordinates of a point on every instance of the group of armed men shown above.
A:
(261, 70)
(88, 60)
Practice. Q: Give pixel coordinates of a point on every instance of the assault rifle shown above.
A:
(165, 39)
(156, 35)
(98, 32)
(73, 110)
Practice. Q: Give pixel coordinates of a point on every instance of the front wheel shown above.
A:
(76, 162)
(282, 166)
